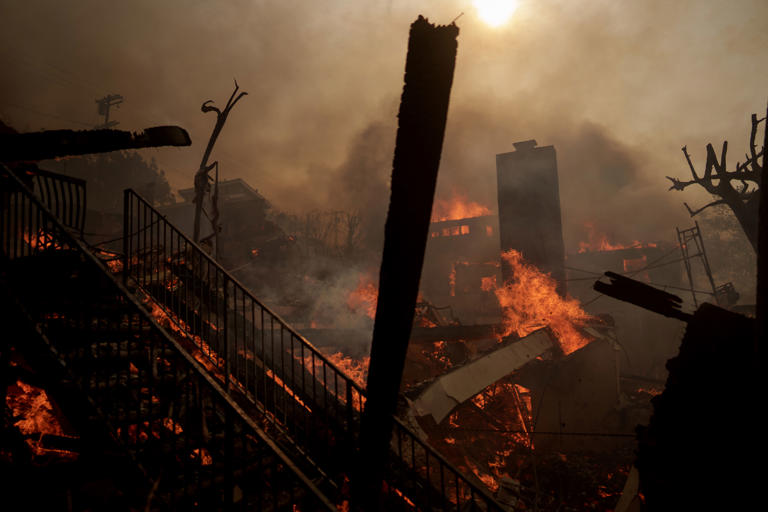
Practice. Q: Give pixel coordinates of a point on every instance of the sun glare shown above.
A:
(495, 12)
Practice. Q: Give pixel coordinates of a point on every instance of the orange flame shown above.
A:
(530, 301)
(203, 455)
(488, 284)
(35, 409)
(598, 242)
(457, 207)
(355, 369)
(364, 298)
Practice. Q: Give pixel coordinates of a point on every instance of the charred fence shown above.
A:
(309, 405)
(190, 438)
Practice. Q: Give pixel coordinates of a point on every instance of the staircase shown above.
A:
(221, 404)
(192, 442)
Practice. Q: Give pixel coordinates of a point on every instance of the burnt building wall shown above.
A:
(529, 208)
(460, 255)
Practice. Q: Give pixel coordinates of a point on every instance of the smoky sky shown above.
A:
(617, 86)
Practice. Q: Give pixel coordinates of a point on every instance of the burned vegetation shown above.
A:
(269, 360)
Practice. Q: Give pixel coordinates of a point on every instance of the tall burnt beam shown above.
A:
(529, 209)
(16, 147)
(761, 332)
(421, 127)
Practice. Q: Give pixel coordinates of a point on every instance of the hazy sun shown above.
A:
(495, 12)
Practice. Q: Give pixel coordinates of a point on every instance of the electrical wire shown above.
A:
(536, 432)
(44, 114)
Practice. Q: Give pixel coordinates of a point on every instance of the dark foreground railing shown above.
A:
(198, 447)
(256, 355)
(63, 195)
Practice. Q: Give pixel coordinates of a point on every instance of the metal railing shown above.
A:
(197, 445)
(255, 354)
(63, 195)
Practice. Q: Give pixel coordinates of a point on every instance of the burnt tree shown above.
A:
(738, 189)
(203, 178)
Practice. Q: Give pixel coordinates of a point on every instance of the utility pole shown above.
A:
(105, 103)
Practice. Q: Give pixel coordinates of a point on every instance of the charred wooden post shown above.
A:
(643, 295)
(16, 147)
(202, 176)
(529, 208)
(423, 110)
(761, 337)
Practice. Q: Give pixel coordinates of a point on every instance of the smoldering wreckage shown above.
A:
(163, 369)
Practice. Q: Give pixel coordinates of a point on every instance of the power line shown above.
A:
(536, 432)
(63, 75)
(52, 116)
(630, 274)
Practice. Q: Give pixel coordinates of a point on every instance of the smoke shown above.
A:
(617, 87)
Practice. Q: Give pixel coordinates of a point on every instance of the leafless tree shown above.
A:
(738, 189)
(203, 178)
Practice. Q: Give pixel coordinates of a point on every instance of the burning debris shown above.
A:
(530, 301)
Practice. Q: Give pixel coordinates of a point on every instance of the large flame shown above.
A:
(530, 301)
(457, 207)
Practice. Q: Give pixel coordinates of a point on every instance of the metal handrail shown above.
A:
(64, 195)
(211, 469)
(254, 354)
(130, 193)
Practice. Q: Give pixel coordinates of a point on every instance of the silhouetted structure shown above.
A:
(423, 111)
(529, 208)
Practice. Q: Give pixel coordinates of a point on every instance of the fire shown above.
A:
(457, 207)
(115, 266)
(42, 240)
(598, 242)
(530, 301)
(35, 409)
(452, 275)
(37, 418)
(364, 298)
(203, 456)
(488, 284)
(355, 369)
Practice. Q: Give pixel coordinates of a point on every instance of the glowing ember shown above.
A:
(439, 354)
(457, 207)
(203, 455)
(33, 406)
(488, 284)
(172, 425)
(487, 479)
(530, 301)
(650, 391)
(364, 297)
(42, 240)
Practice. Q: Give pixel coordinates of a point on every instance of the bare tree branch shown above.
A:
(696, 212)
(731, 188)
(202, 176)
